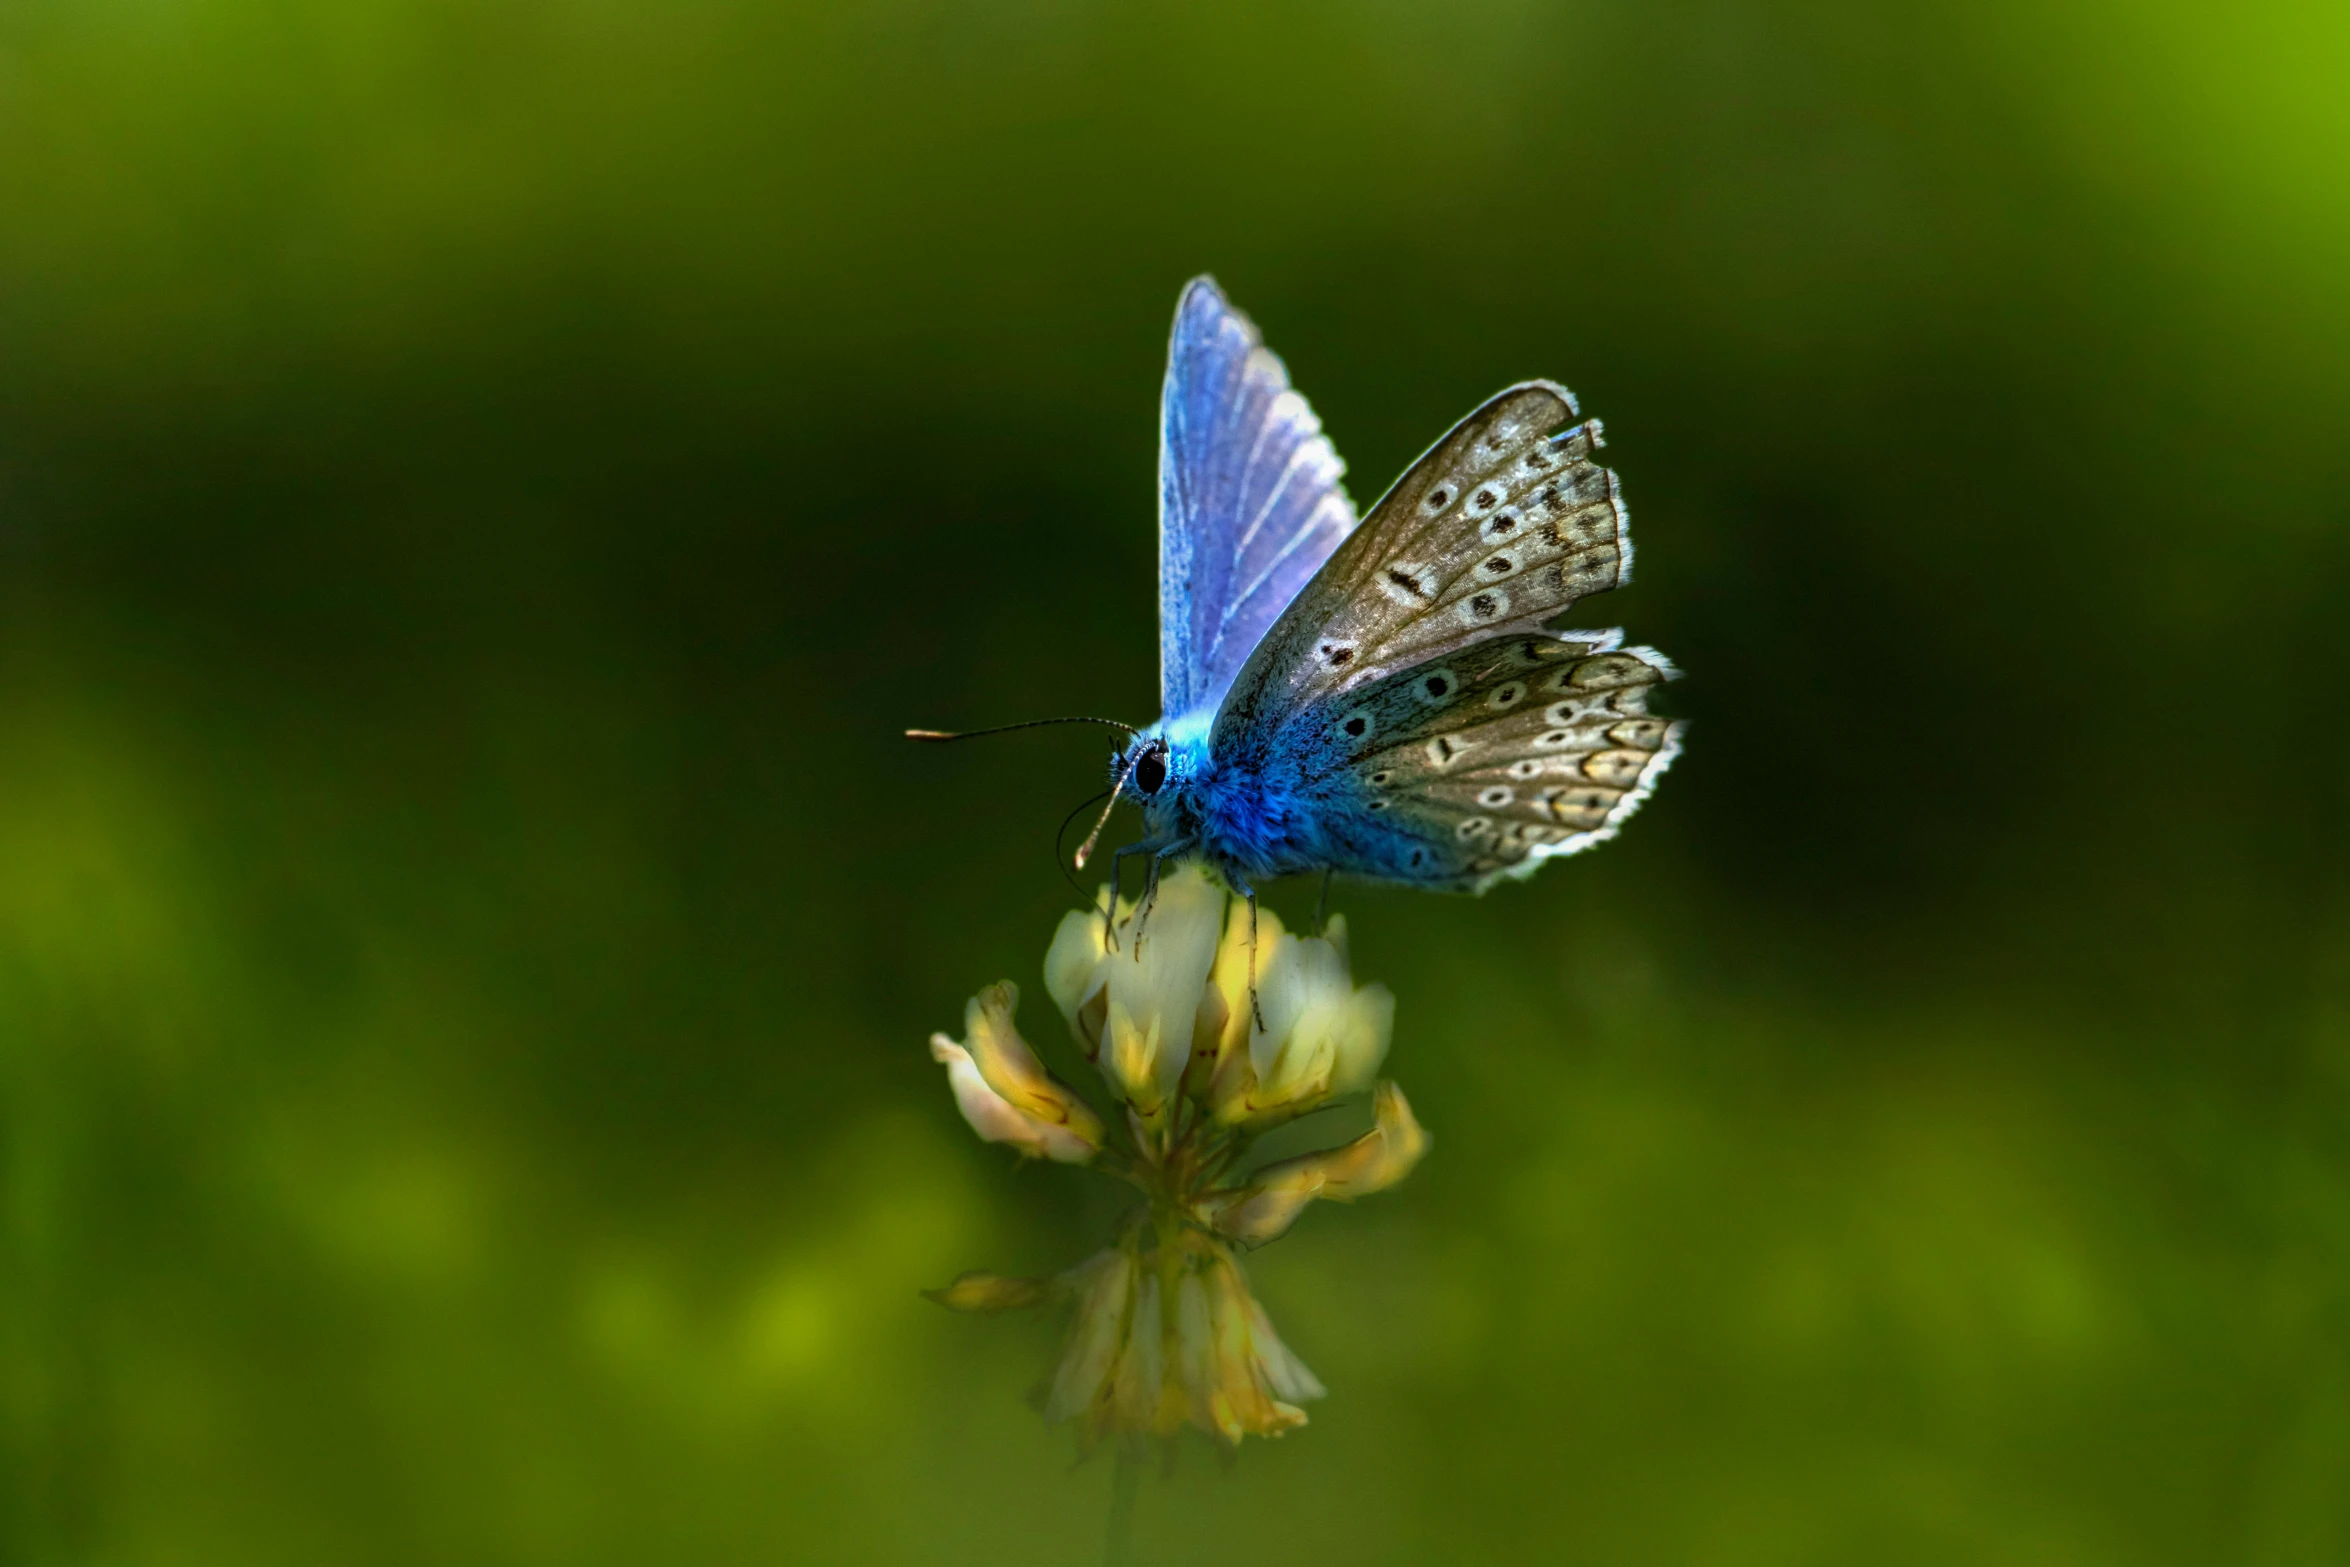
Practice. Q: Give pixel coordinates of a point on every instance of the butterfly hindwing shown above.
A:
(1504, 753)
(1249, 500)
(1497, 530)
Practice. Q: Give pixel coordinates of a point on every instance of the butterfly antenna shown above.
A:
(1085, 849)
(1005, 729)
(1064, 832)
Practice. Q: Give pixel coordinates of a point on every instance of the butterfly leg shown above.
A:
(1322, 905)
(1148, 900)
(1117, 865)
(1150, 889)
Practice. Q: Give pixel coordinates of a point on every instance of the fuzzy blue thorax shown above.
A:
(1252, 819)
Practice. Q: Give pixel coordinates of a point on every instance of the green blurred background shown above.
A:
(483, 483)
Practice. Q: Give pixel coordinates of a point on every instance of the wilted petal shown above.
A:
(998, 1120)
(1283, 1371)
(991, 1292)
(1265, 1209)
(1142, 1363)
(1241, 1402)
(1103, 1285)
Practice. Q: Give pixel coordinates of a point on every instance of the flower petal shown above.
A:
(1241, 1402)
(1013, 1071)
(1075, 972)
(1383, 1155)
(1283, 1371)
(981, 1291)
(1142, 1366)
(1264, 1209)
(1156, 985)
(1104, 1284)
(997, 1120)
(1321, 1037)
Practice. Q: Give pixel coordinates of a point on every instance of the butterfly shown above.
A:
(1385, 700)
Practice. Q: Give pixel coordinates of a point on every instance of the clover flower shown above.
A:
(1206, 1034)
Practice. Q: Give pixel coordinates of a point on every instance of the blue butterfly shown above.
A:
(1383, 700)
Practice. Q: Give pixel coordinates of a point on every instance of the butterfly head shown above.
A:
(1143, 771)
(1160, 763)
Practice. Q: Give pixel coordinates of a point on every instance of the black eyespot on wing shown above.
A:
(1437, 685)
(1356, 726)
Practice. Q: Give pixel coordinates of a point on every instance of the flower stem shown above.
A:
(1123, 1479)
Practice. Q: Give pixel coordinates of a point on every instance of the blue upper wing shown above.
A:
(1249, 501)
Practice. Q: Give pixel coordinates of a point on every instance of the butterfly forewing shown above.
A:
(1496, 531)
(1508, 751)
(1249, 506)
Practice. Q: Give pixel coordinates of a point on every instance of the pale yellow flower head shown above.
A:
(1207, 1027)
(1169, 1010)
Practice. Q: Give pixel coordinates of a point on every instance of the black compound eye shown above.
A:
(1150, 774)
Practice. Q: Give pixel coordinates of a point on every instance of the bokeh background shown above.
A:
(484, 482)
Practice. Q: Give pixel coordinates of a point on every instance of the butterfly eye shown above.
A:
(1150, 774)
